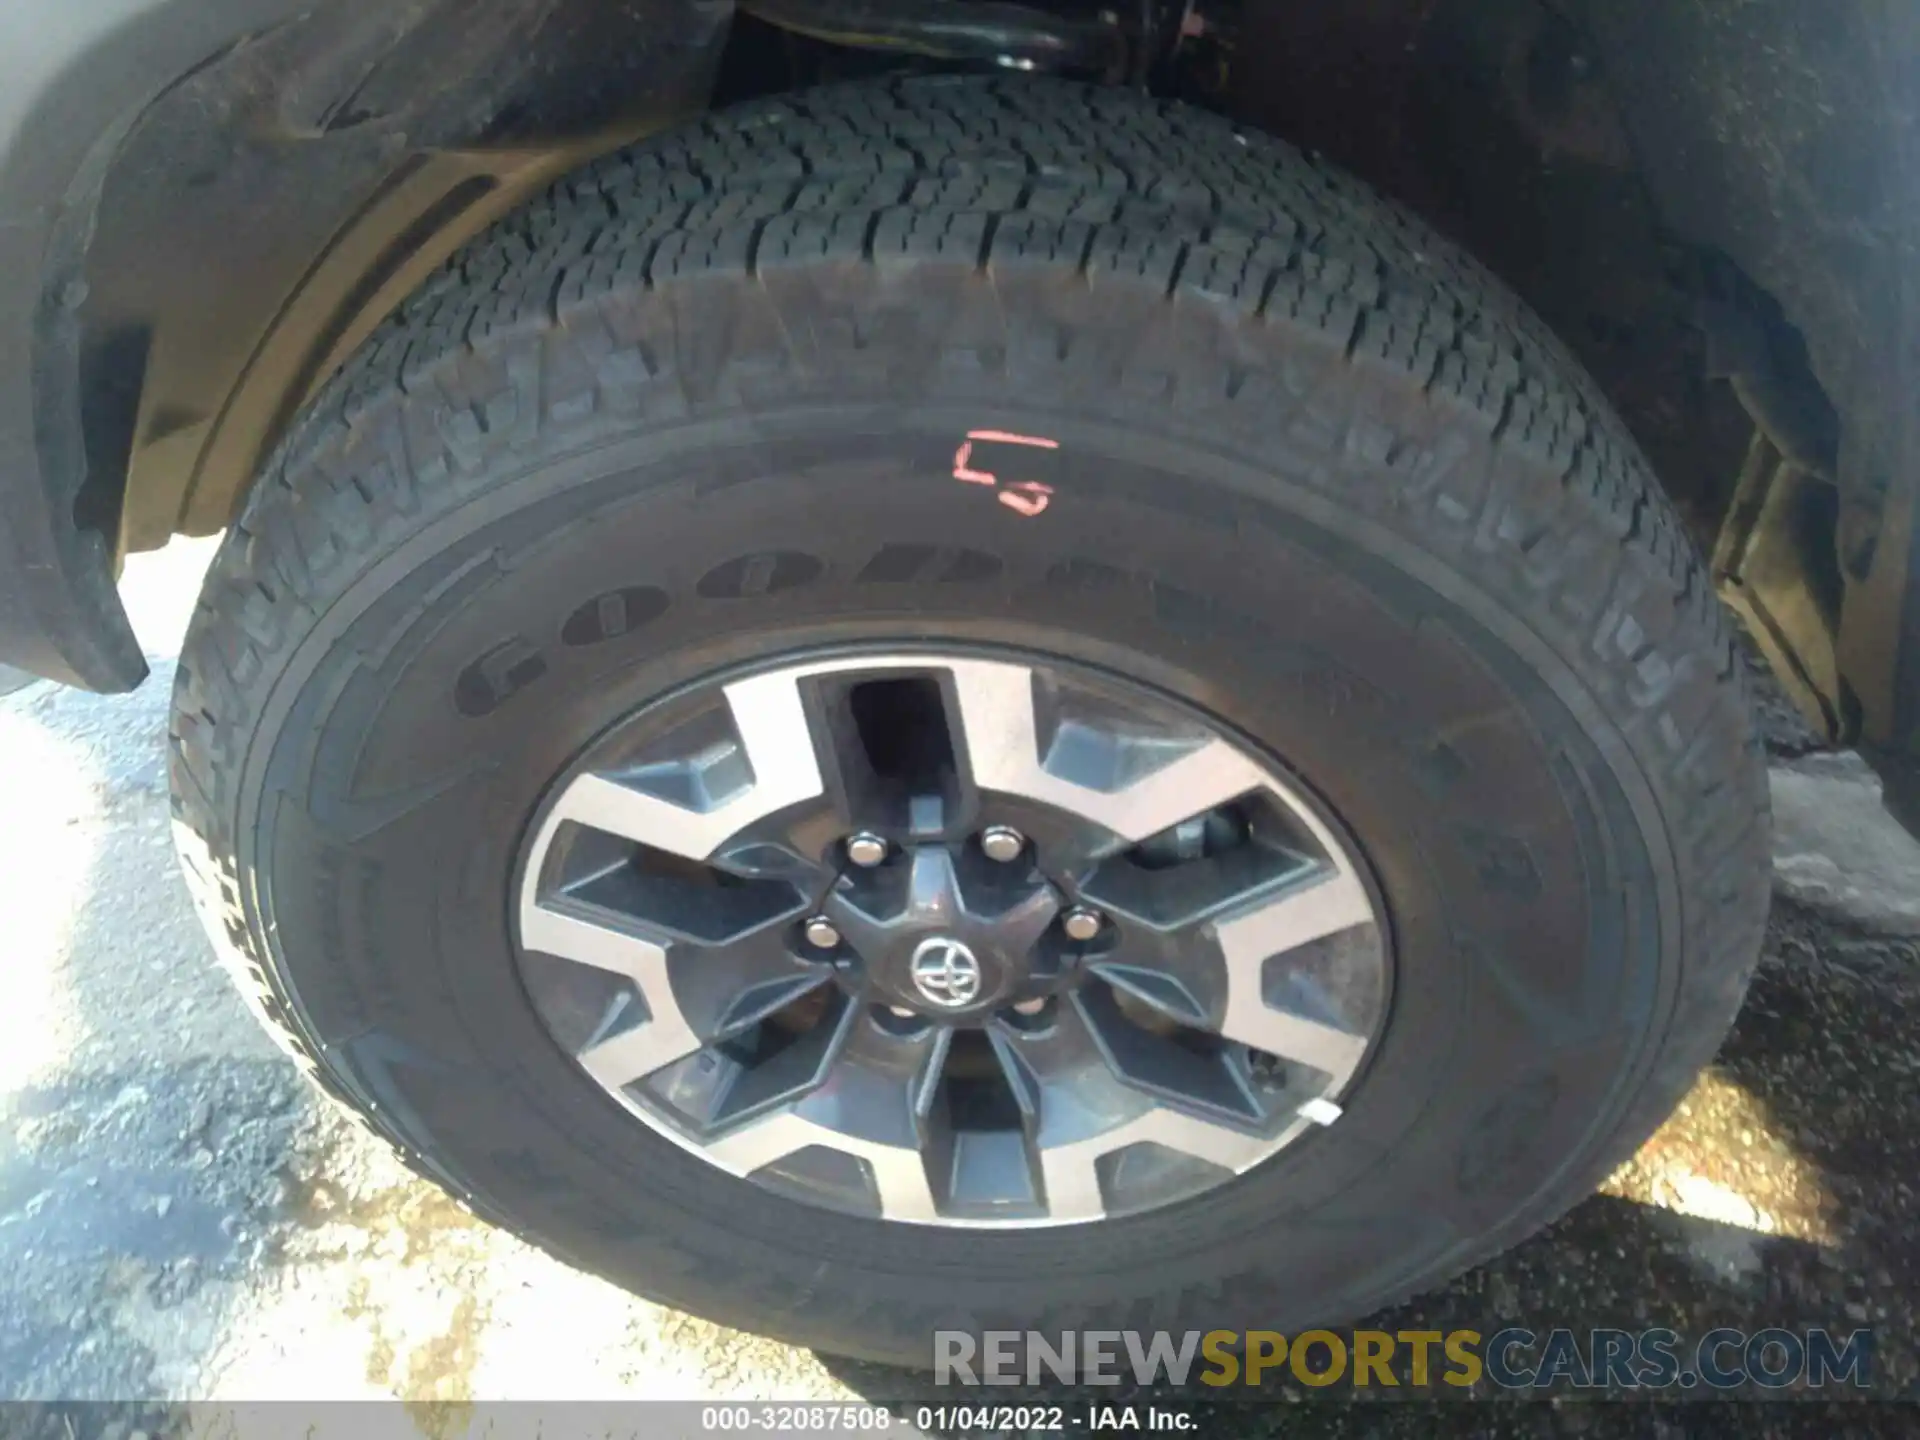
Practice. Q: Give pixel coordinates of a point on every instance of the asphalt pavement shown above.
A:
(182, 1217)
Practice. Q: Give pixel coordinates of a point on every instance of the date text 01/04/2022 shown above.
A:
(1027, 1419)
(788, 1419)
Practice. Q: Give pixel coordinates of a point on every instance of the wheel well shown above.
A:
(275, 205)
(1531, 132)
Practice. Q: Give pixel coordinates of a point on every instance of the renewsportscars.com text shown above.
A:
(1511, 1358)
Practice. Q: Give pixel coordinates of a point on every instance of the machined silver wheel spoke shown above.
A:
(770, 723)
(1002, 733)
(1327, 1048)
(694, 995)
(634, 1054)
(1078, 1111)
(656, 1041)
(1300, 914)
(899, 1173)
(1073, 1175)
(873, 1104)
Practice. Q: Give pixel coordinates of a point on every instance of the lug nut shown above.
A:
(1002, 843)
(866, 850)
(1081, 923)
(1269, 1071)
(822, 934)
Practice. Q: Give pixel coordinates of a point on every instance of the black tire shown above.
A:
(1318, 474)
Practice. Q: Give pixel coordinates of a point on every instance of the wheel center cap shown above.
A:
(944, 934)
(945, 972)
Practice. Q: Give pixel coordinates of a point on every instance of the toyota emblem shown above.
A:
(945, 973)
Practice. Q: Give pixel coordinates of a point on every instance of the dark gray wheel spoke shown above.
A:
(1133, 786)
(774, 766)
(724, 989)
(1216, 975)
(1326, 905)
(661, 1035)
(1078, 1111)
(955, 939)
(872, 1103)
(694, 995)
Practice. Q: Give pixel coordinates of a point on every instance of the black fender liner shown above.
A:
(73, 79)
(204, 204)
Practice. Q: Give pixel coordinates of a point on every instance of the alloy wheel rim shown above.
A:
(968, 939)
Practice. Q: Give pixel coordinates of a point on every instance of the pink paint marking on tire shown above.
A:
(1026, 497)
(962, 471)
(1003, 437)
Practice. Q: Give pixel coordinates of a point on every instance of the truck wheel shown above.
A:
(977, 704)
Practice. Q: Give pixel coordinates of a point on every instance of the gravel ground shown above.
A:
(181, 1217)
